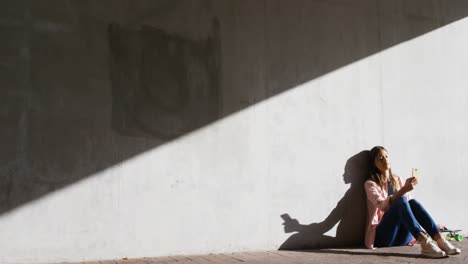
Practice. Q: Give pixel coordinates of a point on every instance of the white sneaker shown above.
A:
(428, 248)
(447, 247)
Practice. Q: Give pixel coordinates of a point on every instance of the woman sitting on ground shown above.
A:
(394, 218)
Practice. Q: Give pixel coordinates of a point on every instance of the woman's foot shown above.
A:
(447, 246)
(428, 248)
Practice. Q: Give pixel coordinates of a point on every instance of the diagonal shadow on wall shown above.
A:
(83, 87)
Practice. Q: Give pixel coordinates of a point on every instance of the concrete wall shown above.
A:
(148, 128)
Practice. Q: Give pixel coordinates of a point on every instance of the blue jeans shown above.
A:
(403, 221)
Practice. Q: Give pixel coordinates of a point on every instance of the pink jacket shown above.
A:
(377, 203)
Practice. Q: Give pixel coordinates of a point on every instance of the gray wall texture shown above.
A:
(148, 128)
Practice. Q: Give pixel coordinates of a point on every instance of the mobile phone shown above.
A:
(415, 172)
(286, 217)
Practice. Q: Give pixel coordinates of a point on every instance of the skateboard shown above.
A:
(453, 234)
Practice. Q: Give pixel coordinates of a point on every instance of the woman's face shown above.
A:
(381, 161)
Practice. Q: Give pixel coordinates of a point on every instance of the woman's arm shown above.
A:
(375, 195)
(409, 185)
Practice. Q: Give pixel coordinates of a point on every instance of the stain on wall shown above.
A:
(163, 85)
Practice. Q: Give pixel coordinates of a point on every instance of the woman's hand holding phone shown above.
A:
(411, 182)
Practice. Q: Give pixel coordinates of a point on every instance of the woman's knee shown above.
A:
(414, 202)
(400, 201)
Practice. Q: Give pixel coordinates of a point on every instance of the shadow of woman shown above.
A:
(350, 212)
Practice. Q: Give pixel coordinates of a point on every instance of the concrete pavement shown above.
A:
(405, 254)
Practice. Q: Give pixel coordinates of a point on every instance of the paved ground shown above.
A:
(349, 256)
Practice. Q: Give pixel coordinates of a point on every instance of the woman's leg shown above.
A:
(399, 218)
(403, 238)
(426, 221)
(424, 218)
(396, 225)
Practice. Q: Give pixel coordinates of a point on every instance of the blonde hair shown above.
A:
(377, 177)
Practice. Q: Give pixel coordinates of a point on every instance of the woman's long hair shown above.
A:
(374, 173)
